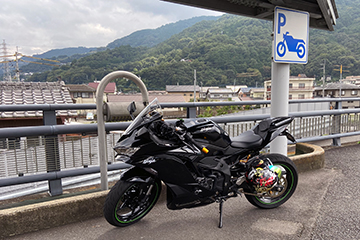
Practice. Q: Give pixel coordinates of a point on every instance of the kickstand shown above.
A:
(221, 212)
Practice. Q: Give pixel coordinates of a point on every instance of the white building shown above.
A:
(300, 87)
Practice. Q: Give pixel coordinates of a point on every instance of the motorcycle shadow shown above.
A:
(197, 223)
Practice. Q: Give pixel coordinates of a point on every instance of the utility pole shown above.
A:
(194, 85)
(19, 57)
(17, 74)
(341, 71)
(340, 80)
(323, 87)
(7, 75)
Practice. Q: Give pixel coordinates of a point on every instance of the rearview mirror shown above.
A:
(131, 109)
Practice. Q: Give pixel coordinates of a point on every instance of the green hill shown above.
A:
(232, 48)
(146, 37)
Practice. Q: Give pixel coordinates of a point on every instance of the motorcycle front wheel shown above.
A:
(128, 202)
(288, 182)
(281, 49)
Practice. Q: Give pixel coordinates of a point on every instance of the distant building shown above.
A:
(352, 80)
(347, 91)
(82, 93)
(300, 87)
(257, 93)
(187, 91)
(221, 94)
(236, 88)
(157, 92)
(204, 91)
(109, 89)
(19, 93)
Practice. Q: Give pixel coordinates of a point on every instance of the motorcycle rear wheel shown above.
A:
(288, 181)
(127, 202)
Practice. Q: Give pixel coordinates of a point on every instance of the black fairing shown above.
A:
(208, 131)
(139, 173)
(191, 181)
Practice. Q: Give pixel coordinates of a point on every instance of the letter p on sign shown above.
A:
(282, 21)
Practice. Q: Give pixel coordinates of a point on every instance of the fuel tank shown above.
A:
(207, 131)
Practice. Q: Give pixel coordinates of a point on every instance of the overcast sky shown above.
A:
(41, 25)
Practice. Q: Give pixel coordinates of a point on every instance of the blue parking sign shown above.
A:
(291, 36)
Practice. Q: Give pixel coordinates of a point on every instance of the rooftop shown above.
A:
(182, 88)
(16, 93)
(80, 88)
(336, 86)
(110, 88)
(256, 89)
(220, 90)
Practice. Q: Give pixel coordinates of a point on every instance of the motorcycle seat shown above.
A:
(247, 139)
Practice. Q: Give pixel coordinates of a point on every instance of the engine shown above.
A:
(207, 183)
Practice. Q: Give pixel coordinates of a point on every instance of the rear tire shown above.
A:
(288, 180)
(128, 202)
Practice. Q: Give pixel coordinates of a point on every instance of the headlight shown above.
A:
(127, 151)
(122, 158)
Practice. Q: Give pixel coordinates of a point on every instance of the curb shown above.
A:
(54, 213)
(312, 157)
(38, 216)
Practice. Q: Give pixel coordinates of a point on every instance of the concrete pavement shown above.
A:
(296, 219)
(324, 206)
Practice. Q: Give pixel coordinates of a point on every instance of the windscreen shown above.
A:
(138, 120)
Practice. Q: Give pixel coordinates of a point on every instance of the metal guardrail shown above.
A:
(40, 142)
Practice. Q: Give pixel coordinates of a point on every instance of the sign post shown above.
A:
(290, 45)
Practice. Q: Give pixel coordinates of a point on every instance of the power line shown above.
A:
(18, 57)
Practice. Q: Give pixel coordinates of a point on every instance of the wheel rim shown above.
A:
(281, 49)
(134, 203)
(286, 181)
(301, 51)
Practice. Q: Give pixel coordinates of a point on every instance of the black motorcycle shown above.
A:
(199, 164)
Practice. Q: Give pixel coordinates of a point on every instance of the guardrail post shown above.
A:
(191, 112)
(52, 154)
(337, 125)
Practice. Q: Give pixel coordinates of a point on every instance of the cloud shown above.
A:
(41, 25)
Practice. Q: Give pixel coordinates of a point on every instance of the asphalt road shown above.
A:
(324, 206)
(339, 216)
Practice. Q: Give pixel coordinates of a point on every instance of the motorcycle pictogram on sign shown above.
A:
(292, 44)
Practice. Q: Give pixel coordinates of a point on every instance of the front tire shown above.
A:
(281, 49)
(288, 180)
(128, 202)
